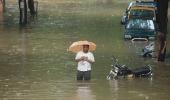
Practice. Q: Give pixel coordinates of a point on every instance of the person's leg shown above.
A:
(87, 75)
(79, 75)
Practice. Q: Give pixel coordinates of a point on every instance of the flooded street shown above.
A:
(35, 64)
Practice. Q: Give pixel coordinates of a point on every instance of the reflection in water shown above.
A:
(114, 89)
(33, 61)
(135, 46)
(84, 92)
(23, 47)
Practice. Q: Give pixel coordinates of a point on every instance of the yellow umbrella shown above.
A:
(78, 46)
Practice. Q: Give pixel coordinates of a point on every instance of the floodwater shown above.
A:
(35, 64)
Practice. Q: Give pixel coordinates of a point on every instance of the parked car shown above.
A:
(142, 12)
(140, 4)
(147, 3)
(125, 14)
(140, 28)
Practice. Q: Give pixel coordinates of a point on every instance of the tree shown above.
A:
(23, 7)
(2, 5)
(23, 11)
(31, 7)
(162, 21)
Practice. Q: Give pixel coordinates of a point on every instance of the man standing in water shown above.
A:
(84, 59)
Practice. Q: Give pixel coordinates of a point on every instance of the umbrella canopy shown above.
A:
(78, 46)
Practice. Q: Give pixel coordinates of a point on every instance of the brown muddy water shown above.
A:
(35, 64)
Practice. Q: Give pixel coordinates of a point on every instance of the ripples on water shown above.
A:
(35, 64)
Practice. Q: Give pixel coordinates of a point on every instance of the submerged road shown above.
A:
(35, 64)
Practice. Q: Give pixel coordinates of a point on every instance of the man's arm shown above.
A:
(90, 59)
(79, 59)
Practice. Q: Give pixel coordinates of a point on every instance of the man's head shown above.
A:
(85, 48)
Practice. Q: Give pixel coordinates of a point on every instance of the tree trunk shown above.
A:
(4, 3)
(31, 7)
(1, 6)
(1, 14)
(23, 11)
(162, 20)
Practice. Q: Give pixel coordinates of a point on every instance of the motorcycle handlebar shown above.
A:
(116, 62)
(114, 59)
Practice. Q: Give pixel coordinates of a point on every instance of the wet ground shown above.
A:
(35, 64)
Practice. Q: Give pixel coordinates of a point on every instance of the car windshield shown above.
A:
(142, 13)
(140, 24)
(142, 3)
(154, 4)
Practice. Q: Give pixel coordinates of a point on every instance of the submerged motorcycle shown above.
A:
(119, 70)
(149, 50)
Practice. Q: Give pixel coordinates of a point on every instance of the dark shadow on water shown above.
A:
(168, 55)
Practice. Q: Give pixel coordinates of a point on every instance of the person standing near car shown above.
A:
(1, 7)
(162, 44)
(85, 59)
